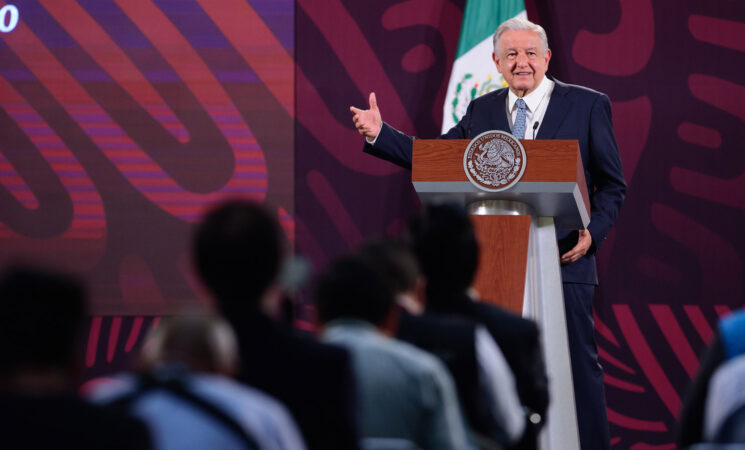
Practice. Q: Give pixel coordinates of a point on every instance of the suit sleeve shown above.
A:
(397, 147)
(392, 145)
(608, 184)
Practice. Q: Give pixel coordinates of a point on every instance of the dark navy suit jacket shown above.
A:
(453, 341)
(574, 112)
(313, 380)
(520, 342)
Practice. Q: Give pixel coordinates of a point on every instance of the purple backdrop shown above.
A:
(120, 122)
(673, 71)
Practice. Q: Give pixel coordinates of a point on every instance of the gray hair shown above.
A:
(203, 343)
(520, 24)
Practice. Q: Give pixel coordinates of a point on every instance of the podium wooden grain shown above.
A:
(503, 257)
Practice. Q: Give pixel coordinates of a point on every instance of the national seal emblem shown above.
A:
(494, 161)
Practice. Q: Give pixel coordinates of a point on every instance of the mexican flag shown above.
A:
(474, 73)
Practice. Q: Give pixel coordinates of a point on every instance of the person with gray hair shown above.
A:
(518, 24)
(534, 106)
(201, 343)
(184, 393)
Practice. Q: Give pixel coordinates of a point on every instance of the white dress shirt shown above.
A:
(498, 382)
(536, 102)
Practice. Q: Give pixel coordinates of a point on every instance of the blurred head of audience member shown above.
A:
(198, 343)
(351, 288)
(444, 241)
(239, 249)
(395, 261)
(483, 380)
(445, 244)
(40, 329)
(404, 393)
(40, 359)
(238, 253)
(185, 396)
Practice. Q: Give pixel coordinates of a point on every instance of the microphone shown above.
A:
(535, 127)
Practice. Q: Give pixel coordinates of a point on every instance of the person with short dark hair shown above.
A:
(40, 330)
(238, 252)
(405, 393)
(343, 293)
(445, 244)
(483, 379)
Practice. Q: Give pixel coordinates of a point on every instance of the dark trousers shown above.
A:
(589, 392)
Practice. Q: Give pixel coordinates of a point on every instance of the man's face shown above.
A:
(522, 60)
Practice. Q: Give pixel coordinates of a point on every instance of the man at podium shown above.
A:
(534, 106)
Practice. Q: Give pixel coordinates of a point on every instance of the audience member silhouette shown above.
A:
(238, 252)
(404, 392)
(724, 413)
(40, 331)
(185, 396)
(727, 346)
(444, 242)
(484, 381)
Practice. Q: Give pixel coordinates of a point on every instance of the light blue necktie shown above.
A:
(519, 129)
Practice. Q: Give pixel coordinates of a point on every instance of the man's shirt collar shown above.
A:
(532, 100)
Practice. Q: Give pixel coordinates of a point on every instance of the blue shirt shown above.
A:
(177, 424)
(403, 392)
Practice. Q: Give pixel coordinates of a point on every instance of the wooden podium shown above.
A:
(519, 258)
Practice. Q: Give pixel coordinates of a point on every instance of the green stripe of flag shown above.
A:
(481, 18)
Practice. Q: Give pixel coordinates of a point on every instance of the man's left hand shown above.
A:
(583, 245)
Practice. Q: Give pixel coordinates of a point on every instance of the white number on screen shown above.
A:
(8, 18)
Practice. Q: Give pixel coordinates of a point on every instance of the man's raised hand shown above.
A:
(368, 121)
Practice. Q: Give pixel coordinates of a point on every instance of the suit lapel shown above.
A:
(557, 110)
(499, 112)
